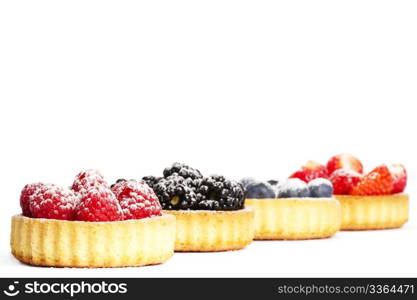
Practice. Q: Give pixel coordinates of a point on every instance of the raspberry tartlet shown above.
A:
(293, 210)
(375, 200)
(209, 211)
(90, 225)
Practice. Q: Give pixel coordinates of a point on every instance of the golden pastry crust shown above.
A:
(295, 218)
(374, 212)
(204, 230)
(57, 243)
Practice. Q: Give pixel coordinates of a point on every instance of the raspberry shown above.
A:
(52, 202)
(98, 204)
(87, 179)
(344, 181)
(25, 196)
(136, 199)
(310, 171)
(378, 182)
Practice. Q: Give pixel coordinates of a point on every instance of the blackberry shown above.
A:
(117, 181)
(227, 193)
(151, 180)
(182, 170)
(175, 192)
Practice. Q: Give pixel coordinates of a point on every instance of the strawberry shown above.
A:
(400, 178)
(344, 161)
(377, 182)
(344, 181)
(310, 171)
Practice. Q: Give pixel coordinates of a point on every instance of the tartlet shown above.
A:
(293, 210)
(209, 210)
(92, 225)
(61, 243)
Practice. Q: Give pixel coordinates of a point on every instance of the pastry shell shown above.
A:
(295, 218)
(205, 230)
(58, 243)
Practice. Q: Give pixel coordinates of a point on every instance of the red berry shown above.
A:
(344, 180)
(98, 204)
(137, 199)
(310, 171)
(344, 161)
(399, 174)
(377, 182)
(87, 179)
(25, 197)
(52, 202)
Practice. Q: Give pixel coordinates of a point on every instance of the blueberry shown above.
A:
(320, 188)
(245, 181)
(260, 190)
(293, 188)
(273, 182)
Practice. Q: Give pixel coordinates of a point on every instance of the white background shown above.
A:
(233, 87)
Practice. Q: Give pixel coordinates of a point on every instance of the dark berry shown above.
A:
(182, 170)
(320, 188)
(175, 192)
(245, 181)
(273, 182)
(151, 180)
(293, 188)
(260, 190)
(228, 193)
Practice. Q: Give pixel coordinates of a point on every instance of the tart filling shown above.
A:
(207, 230)
(295, 218)
(61, 243)
(374, 212)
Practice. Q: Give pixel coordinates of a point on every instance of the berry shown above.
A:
(98, 204)
(87, 179)
(151, 180)
(176, 192)
(320, 188)
(399, 174)
(311, 171)
(259, 190)
(25, 196)
(208, 205)
(344, 161)
(52, 202)
(344, 181)
(228, 193)
(245, 181)
(378, 182)
(136, 199)
(182, 170)
(293, 187)
(273, 182)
